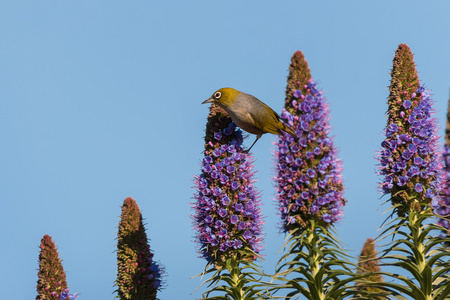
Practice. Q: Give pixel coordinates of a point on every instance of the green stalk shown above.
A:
(420, 254)
(236, 279)
(318, 264)
(316, 285)
(424, 273)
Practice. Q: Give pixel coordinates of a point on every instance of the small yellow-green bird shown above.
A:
(249, 113)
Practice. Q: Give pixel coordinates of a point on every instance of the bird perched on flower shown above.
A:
(249, 113)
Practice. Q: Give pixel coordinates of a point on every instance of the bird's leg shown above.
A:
(257, 138)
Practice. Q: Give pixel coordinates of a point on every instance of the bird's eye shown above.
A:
(217, 95)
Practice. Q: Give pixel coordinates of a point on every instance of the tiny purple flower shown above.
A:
(239, 207)
(406, 104)
(223, 178)
(418, 187)
(218, 136)
(222, 232)
(207, 159)
(235, 185)
(231, 169)
(402, 180)
(234, 219)
(297, 93)
(237, 244)
(311, 173)
(222, 212)
(225, 201)
(247, 235)
(241, 226)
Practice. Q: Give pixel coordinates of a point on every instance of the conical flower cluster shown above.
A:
(368, 264)
(227, 208)
(409, 158)
(444, 209)
(52, 282)
(138, 276)
(368, 261)
(308, 171)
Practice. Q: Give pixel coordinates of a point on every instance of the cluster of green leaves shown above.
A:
(315, 265)
(417, 249)
(237, 280)
(368, 265)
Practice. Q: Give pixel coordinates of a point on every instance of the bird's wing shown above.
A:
(267, 122)
(270, 122)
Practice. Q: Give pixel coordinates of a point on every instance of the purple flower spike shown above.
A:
(444, 203)
(409, 160)
(51, 275)
(309, 185)
(227, 208)
(136, 268)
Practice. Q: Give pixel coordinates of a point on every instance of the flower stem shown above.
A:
(237, 281)
(240, 280)
(419, 254)
(320, 266)
(316, 259)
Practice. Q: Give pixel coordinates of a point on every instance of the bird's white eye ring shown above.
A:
(217, 95)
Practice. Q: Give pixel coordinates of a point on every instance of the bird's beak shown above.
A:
(210, 100)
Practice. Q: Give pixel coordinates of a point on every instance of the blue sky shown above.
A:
(100, 100)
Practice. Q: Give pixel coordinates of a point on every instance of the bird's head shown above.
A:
(223, 97)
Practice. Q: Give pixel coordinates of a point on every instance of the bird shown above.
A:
(249, 113)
